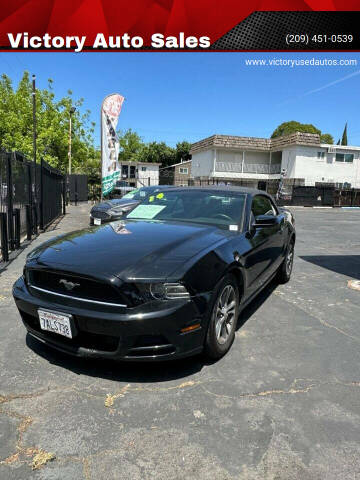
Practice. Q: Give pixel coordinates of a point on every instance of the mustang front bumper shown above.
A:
(147, 333)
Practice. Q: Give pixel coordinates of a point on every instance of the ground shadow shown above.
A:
(143, 372)
(344, 264)
(55, 224)
(253, 306)
(13, 255)
(132, 372)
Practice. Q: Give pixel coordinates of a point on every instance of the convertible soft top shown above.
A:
(224, 188)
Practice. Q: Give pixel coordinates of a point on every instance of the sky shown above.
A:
(188, 96)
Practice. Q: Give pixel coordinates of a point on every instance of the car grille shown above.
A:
(92, 341)
(85, 288)
(103, 215)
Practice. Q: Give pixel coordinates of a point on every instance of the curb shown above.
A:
(322, 208)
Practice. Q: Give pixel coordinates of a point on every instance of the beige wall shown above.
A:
(182, 178)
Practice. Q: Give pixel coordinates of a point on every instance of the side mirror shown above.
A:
(262, 221)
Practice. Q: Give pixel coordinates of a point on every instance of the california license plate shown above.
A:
(55, 322)
(97, 221)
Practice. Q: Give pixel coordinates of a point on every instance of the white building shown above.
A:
(253, 161)
(140, 174)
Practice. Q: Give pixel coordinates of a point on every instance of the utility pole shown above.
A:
(71, 112)
(34, 130)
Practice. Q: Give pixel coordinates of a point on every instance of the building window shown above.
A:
(345, 157)
(343, 185)
(320, 155)
(184, 170)
(143, 169)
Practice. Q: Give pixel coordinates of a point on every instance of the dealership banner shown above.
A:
(175, 25)
(110, 111)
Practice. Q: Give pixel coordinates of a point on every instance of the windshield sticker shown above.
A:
(142, 194)
(146, 211)
(234, 228)
(160, 195)
(151, 199)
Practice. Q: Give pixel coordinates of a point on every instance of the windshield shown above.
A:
(137, 194)
(222, 209)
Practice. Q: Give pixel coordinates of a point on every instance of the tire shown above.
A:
(285, 269)
(222, 324)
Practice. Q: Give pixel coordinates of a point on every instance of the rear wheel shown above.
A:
(285, 269)
(223, 318)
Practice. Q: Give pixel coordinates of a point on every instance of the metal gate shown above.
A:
(77, 186)
(31, 196)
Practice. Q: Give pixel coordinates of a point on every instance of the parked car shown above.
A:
(166, 282)
(111, 210)
(122, 187)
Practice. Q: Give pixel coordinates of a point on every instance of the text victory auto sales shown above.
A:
(77, 43)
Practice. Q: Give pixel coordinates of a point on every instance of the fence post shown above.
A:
(10, 203)
(28, 222)
(4, 237)
(42, 194)
(17, 228)
(34, 220)
(76, 191)
(64, 195)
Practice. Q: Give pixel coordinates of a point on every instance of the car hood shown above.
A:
(114, 204)
(130, 250)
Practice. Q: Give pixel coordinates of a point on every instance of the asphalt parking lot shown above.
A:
(283, 404)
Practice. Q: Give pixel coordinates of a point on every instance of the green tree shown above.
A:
(344, 140)
(287, 128)
(52, 116)
(157, 152)
(131, 145)
(291, 127)
(182, 149)
(326, 138)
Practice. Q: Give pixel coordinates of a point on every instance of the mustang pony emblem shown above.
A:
(68, 285)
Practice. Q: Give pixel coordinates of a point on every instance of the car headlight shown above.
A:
(162, 291)
(119, 211)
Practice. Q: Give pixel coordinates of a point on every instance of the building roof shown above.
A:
(176, 164)
(339, 147)
(130, 162)
(232, 142)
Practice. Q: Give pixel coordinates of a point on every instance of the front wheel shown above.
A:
(223, 318)
(285, 269)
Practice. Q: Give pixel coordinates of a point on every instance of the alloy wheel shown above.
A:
(225, 314)
(289, 259)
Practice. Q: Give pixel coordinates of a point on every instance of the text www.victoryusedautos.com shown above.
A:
(301, 62)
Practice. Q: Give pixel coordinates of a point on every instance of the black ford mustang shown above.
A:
(166, 282)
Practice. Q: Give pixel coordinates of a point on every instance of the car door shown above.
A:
(266, 244)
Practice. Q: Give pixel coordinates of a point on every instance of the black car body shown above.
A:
(114, 209)
(155, 288)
